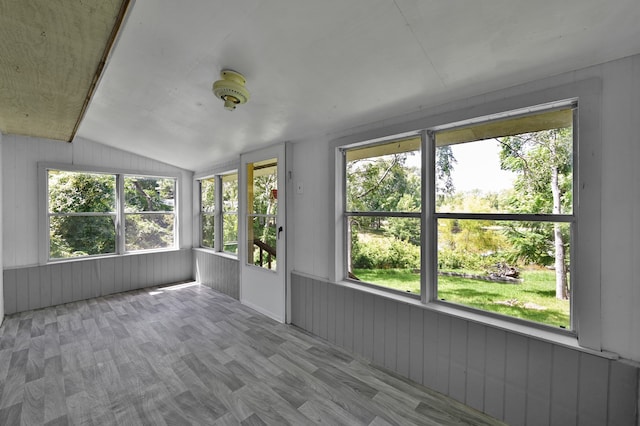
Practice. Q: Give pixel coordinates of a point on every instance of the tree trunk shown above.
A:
(561, 274)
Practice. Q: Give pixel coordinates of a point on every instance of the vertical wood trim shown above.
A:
(415, 344)
(308, 304)
(323, 310)
(592, 390)
(295, 293)
(22, 290)
(458, 357)
(10, 282)
(515, 405)
(315, 298)
(539, 382)
(368, 309)
(340, 315)
(67, 282)
(564, 389)
(495, 370)
(348, 319)
(56, 285)
(443, 361)
(378, 330)
(476, 349)
(45, 283)
(331, 313)
(403, 350)
(623, 394)
(430, 350)
(358, 323)
(390, 334)
(33, 295)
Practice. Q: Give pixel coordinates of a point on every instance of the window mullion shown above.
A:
(218, 243)
(428, 289)
(120, 216)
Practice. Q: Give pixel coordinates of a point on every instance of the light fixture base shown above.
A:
(231, 89)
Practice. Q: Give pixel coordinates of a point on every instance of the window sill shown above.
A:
(111, 256)
(216, 253)
(546, 335)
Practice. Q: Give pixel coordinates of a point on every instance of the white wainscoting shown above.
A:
(53, 284)
(217, 271)
(517, 379)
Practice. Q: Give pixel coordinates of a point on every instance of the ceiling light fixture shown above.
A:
(231, 89)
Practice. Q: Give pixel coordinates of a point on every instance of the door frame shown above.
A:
(271, 296)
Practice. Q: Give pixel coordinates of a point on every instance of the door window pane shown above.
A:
(262, 199)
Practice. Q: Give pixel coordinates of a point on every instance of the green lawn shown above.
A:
(525, 300)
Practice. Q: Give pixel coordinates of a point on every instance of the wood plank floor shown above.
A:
(186, 354)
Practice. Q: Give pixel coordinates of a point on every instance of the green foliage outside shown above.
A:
(145, 230)
(82, 213)
(263, 218)
(207, 208)
(81, 235)
(385, 250)
(230, 213)
(532, 300)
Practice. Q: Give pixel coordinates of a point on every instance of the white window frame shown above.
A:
(229, 213)
(396, 214)
(586, 244)
(202, 213)
(120, 214)
(218, 214)
(432, 222)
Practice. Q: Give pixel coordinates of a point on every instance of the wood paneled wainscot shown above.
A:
(514, 378)
(219, 271)
(56, 283)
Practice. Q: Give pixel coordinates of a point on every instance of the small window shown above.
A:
(230, 213)
(207, 212)
(503, 213)
(382, 213)
(219, 213)
(149, 212)
(81, 214)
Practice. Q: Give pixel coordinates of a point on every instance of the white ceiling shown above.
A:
(317, 67)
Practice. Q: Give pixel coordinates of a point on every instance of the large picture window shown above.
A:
(495, 230)
(84, 213)
(503, 207)
(219, 212)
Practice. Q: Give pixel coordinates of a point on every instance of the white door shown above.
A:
(262, 231)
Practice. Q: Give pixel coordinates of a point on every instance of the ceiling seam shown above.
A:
(120, 18)
(424, 51)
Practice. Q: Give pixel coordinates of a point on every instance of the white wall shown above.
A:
(620, 227)
(20, 157)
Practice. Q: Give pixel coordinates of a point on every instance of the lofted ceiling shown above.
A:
(319, 67)
(51, 56)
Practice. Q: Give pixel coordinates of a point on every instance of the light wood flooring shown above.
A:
(186, 354)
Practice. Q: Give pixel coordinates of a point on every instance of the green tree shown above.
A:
(543, 161)
(230, 213)
(74, 199)
(445, 163)
(207, 200)
(143, 229)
